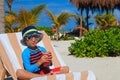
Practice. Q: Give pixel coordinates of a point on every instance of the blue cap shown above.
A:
(30, 30)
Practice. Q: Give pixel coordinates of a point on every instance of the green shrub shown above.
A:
(98, 44)
(48, 30)
(66, 37)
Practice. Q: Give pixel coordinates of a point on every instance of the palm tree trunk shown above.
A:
(2, 14)
(80, 33)
(87, 12)
(57, 34)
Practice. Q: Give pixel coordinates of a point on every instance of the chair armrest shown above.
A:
(2, 71)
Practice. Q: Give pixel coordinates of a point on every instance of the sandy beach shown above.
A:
(107, 68)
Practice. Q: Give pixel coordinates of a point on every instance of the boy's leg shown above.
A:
(23, 74)
(64, 69)
(60, 70)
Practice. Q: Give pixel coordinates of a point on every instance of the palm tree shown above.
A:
(82, 28)
(16, 22)
(9, 3)
(105, 21)
(59, 20)
(2, 23)
(93, 5)
(9, 21)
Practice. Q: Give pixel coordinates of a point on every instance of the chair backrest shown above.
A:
(11, 49)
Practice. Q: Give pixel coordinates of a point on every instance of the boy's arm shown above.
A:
(42, 49)
(26, 62)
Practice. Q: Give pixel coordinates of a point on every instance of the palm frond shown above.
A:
(64, 17)
(52, 16)
(106, 20)
(9, 3)
(25, 18)
(11, 13)
(38, 9)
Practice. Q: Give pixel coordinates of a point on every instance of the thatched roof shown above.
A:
(97, 4)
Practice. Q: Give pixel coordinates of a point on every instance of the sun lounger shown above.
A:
(2, 71)
(10, 54)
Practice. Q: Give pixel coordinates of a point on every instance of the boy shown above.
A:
(37, 59)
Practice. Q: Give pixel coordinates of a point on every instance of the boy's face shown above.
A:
(32, 40)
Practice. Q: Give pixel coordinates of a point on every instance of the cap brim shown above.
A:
(32, 33)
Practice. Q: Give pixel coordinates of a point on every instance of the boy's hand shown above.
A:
(45, 59)
(50, 61)
(49, 55)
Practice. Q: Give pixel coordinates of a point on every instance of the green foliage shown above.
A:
(16, 22)
(98, 43)
(59, 20)
(105, 20)
(48, 30)
(36, 11)
(66, 37)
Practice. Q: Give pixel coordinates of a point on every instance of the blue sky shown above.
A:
(56, 6)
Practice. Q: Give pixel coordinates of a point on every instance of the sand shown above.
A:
(107, 68)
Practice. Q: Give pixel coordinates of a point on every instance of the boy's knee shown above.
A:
(20, 73)
(65, 69)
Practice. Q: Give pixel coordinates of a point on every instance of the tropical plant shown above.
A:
(59, 20)
(82, 28)
(106, 20)
(47, 29)
(9, 20)
(67, 37)
(98, 43)
(24, 18)
(95, 5)
(9, 3)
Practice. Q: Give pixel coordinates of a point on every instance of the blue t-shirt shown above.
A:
(26, 59)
